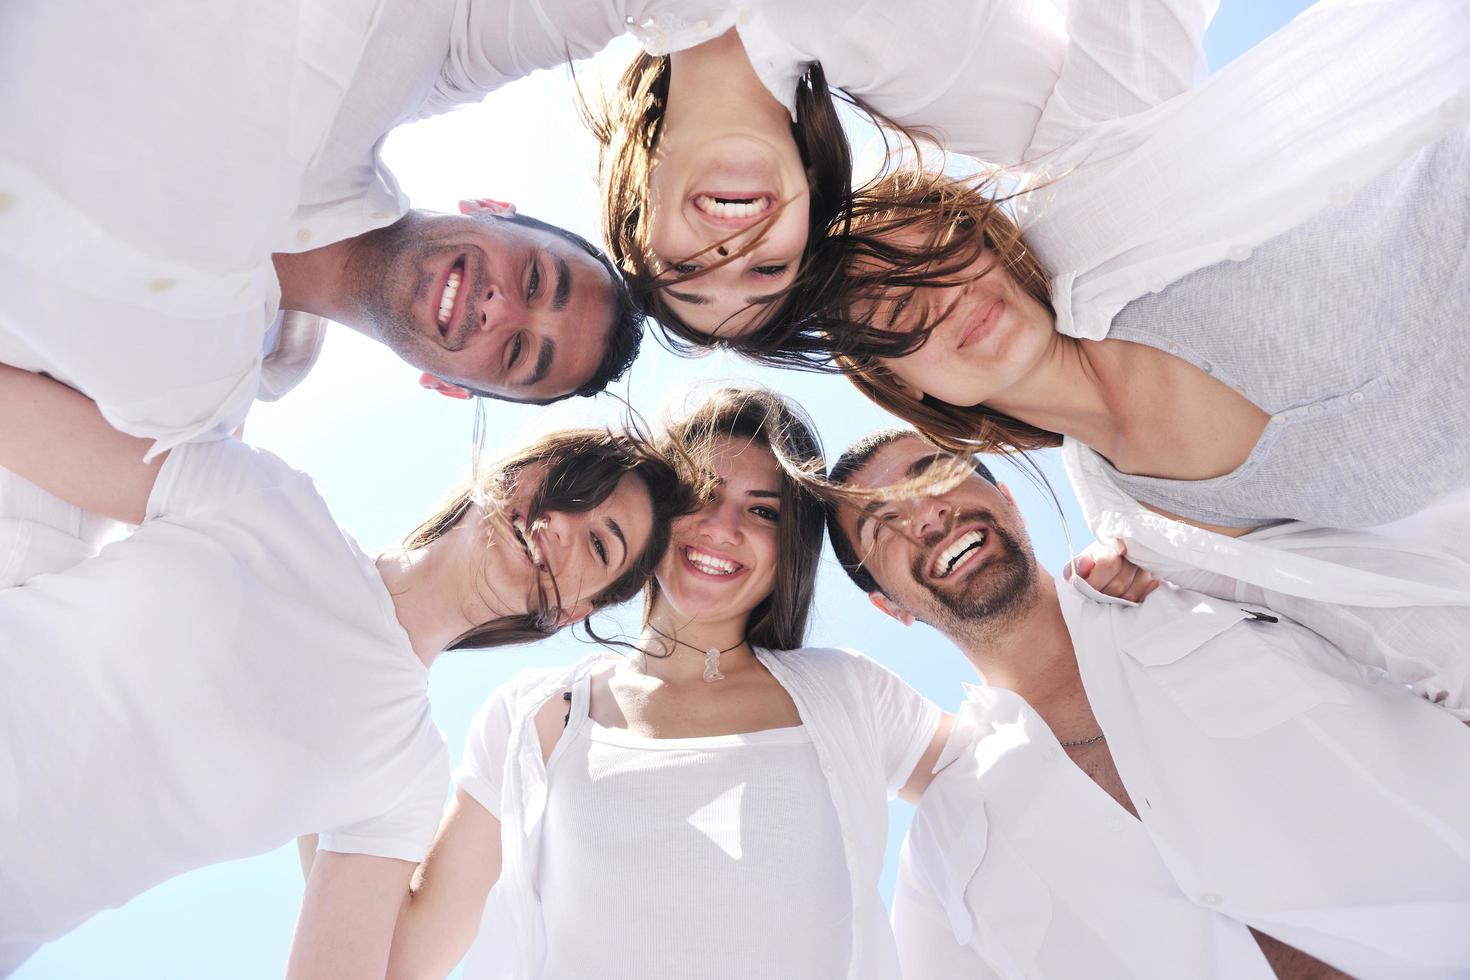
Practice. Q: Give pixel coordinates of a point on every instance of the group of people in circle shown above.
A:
(1233, 744)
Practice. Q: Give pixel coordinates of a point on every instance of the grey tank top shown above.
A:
(1353, 333)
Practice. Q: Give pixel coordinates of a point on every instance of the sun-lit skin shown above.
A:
(916, 548)
(471, 300)
(725, 162)
(993, 339)
(721, 561)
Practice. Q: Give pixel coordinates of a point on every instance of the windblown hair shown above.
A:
(627, 126)
(912, 230)
(766, 419)
(582, 469)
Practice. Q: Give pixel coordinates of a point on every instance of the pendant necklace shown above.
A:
(711, 656)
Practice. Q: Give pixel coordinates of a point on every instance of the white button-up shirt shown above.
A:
(1396, 598)
(1279, 786)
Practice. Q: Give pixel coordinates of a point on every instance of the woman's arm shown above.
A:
(56, 438)
(441, 914)
(346, 922)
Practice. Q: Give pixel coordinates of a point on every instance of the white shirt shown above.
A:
(142, 197)
(227, 678)
(1395, 598)
(732, 839)
(867, 726)
(1154, 171)
(1278, 784)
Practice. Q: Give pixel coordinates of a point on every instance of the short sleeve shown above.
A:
(406, 830)
(904, 719)
(202, 476)
(481, 772)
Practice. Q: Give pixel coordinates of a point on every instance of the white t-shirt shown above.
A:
(227, 678)
(867, 727)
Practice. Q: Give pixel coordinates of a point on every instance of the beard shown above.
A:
(1002, 587)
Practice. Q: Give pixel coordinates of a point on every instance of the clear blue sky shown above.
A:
(383, 452)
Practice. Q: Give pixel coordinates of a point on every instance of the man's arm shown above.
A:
(441, 916)
(346, 924)
(56, 438)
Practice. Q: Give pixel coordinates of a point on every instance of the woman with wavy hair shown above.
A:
(721, 778)
(727, 176)
(238, 672)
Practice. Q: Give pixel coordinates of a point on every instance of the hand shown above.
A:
(1108, 570)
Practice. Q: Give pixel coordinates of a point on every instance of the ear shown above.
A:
(575, 614)
(1005, 492)
(486, 204)
(443, 387)
(890, 608)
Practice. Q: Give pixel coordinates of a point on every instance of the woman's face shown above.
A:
(724, 187)
(583, 552)
(993, 337)
(721, 561)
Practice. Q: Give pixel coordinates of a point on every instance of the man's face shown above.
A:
(952, 559)
(483, 303)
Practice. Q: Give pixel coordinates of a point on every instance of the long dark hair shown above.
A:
(627, 126)
(582, 469)
(779, 621)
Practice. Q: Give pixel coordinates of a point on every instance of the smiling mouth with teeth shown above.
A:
(958, 552)
(527, 542)
(731, 207)
(451, 290)
(711, 565)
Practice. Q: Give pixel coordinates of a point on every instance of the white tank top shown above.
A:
(718, 858)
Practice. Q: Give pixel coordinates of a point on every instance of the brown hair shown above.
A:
(627, 126)
(779, 621)
(957, 220)
(583, 467)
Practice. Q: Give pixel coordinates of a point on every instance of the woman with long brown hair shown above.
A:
(238, 672)
(721, 780)
(726, 173)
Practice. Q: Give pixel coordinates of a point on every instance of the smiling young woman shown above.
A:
(722, 774)
(237, 672)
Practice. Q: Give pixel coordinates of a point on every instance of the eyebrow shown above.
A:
(767, 494)
(917, 468)
(543, 363)
(563, 293)
(617, 532)
(698, 300)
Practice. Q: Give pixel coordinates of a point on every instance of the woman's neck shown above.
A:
(1077, 389)
(432, 590)
(687, 641)
(714, 84)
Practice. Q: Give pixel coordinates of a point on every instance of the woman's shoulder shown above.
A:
(830, 662)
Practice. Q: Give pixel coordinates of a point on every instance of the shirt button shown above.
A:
(1278, 418)
(1158, 284)
(303, 235)
(6, 200)
(1210, 900)
(1356, 396)
(1173, 348)
(161, 285)
(1340, 192)
(1240, 252)
(1207, 367)
(1317, 410)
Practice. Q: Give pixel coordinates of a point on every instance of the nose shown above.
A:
(927, 515)
(720, 522)
(499, 308)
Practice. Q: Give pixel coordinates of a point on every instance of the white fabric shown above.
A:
(868, 727)
(1019, 865)
(1340, 95)
(1265, 766)
(142, 196)
(731, 841)
(225, 679)
(1395, 598)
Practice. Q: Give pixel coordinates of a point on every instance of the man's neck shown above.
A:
(1032, 655)
(315, 281)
